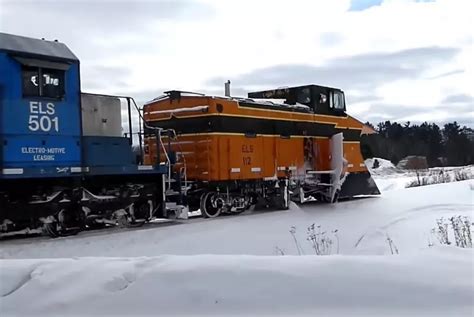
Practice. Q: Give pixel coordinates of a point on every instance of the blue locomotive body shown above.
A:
(64, 158)
(40, 124)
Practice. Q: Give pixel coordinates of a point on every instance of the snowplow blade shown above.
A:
(357, 184)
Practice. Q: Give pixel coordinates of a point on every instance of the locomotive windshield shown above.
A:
(303, 96)
(30, 81)
(336, 100)
(43, 82)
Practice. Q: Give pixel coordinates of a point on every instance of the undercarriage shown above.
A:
(219, 198)
(67, 209)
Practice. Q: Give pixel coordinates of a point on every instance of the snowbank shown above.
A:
(389, 177)
(383, 164)
(429, 284)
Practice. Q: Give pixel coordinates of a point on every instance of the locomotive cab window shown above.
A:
(303, 96)
(42, 82)
(336, 101)
(30, 77)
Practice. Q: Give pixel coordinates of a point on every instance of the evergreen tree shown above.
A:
(395, 141)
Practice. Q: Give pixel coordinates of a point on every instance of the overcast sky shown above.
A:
(401, 60)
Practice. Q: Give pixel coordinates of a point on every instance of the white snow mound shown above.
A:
(241, 285)
(383, 164)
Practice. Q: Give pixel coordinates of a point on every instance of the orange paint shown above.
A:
(214, 156)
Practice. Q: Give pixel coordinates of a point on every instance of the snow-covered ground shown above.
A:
(434, 283)
(229, 266)
(389, 177)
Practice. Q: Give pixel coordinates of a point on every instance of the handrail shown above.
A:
(159, 130)
(167, 158)
(145, 124)
(184, 167)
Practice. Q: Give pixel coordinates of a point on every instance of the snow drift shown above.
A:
(428, 284)
(382, 165)
(389, 177)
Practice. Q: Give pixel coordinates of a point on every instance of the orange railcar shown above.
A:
(235, 151)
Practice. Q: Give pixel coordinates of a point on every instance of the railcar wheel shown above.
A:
(67, 222)
(211, 205)
(91, 223)
(123, 221)
(142, 210)
(51, 229)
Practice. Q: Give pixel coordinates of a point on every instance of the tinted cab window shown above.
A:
(43, 82)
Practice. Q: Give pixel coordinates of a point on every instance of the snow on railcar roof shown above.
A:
(280, 102)
(257, 101)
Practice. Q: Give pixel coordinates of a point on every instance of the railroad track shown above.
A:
(20, 239)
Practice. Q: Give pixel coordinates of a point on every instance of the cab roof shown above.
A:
(21, 45)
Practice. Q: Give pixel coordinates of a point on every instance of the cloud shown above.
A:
(93, 77)
(234, 91)
(330, 38)
(380, 111)
(100, 15)
(355, 98)
(361, 72)
(460, 98)
(362, 75)
(96, 28)
(144, 96)
(446, 74)
(441, 118)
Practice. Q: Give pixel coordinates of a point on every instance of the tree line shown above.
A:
(450, 144)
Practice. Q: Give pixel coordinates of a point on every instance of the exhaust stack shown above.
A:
(227, 88)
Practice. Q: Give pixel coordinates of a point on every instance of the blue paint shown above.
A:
(112, 156)
(107, 151)
(36, 131)
(32, 150)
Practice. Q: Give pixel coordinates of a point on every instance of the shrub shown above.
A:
(460, 228)
(440, 176)
(391, 244)
(320, 241)
(462, 175)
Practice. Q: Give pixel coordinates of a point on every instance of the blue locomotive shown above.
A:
(65, 162)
